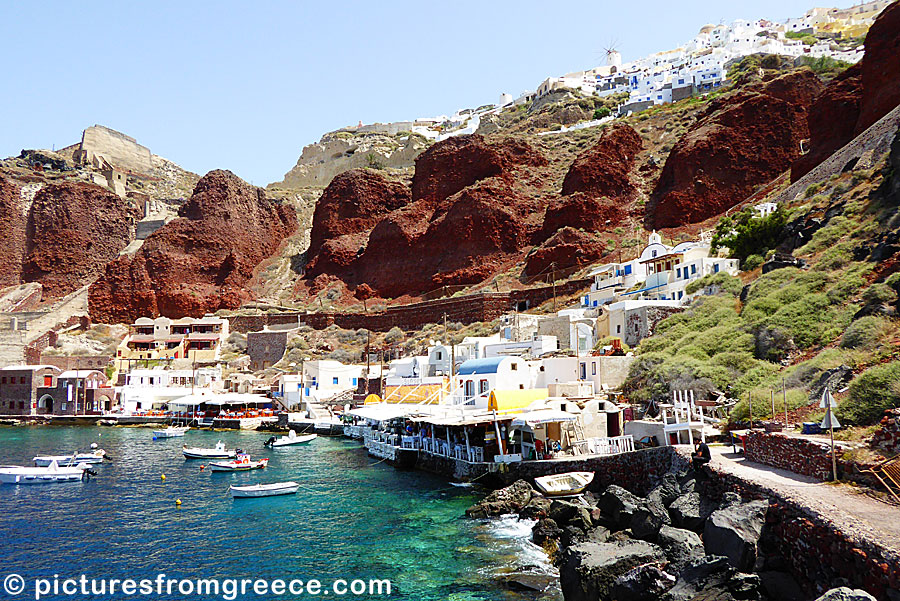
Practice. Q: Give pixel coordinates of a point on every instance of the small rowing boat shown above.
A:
(171, 432)
(290, 439)
(241, 463)
(264, 490)
(560, 485)
(14, 474)
(219, 452)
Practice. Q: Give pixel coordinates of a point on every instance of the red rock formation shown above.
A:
(200, 262)
(74, 230)
(585, 212)
(604, 169)
(858, 97)
(831, 120)
(567, 248)
(729, 151)
(353, 203)
(12, 234)
(451, 165)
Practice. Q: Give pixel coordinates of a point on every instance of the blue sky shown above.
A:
(245, 85)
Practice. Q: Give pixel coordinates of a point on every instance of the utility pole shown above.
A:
(553, 275)
(784, 394)
(772, 395)
(368, 339)
(750, 403)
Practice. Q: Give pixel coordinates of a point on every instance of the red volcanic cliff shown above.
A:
(585, 212)
(74, 230)
(352, 204)
(12, 234)
(451, 165)
(858, 97)
(567, 248)
(200, 262)
(740, 142)
(604, 169)
(466, 218)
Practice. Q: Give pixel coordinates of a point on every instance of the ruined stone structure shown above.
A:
(103, 147)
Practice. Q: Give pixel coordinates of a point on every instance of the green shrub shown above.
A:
(836, 229)
(602, 112)
(723, 281)
(748, 234)
(752, 262)
(871, 393)
(866, 332)
(878, 294)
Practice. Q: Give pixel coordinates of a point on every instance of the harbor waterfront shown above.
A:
(353, 518)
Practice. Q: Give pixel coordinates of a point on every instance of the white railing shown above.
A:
(605, 446)
(441, 448)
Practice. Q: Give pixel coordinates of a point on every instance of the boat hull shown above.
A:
(39, 476)
(237, 467)
(563, 485)
(64, 459)
(285, 441)
(258, 491)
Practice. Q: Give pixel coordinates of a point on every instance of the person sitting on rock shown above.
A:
(701, 455)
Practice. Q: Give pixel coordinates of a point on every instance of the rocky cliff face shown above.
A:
(741, 141)
(857, 98)
(74, 230)
(200, 262)
(466, 217)
(12, 234)
(605, 168)
(336, 153)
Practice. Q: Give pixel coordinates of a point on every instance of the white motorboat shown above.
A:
(241, 463)
(92, 458)
(264, 490)
(219, 452)
(290, 439)
(14, 474)
(171, 432)
(561, 485)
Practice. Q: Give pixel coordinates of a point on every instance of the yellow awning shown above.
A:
(372, 399)
(514, 401)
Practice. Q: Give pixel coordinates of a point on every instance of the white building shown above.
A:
(147, 389)
(476, 379)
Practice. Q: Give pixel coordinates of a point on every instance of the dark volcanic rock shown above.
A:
(511, 499)
(538, 507)
(12, 234)
(682, 547)
(846, 594)
(589, 570)
(619, 505)
(690, 511)
(545, 530)
(643, 583)
(734, 532)
(74, 230)
(713, 579)
(741, 142)
(570, 514)
(199, 263)
(604, 168)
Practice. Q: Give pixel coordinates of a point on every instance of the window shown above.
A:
(482, 387)
(438, 355)
(48, 381)
(3, 380)
(716, 268)
(514, 367)
(355, 381)
(593, 369)
(653, 254)
(628, 269)
(470, 389)
(334, 380)
(693, 268)
(583, 371)
(619, 329)
(678, 272)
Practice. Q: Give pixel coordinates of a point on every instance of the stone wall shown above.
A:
(67, 362)
(117, 148)
(266, 348)
(887, 438)
(485, 306)
(641, 322)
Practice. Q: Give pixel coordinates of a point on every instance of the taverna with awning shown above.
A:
(229, 410)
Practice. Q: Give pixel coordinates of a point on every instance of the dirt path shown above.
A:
(852, 512)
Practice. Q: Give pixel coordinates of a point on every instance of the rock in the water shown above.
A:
(643, 583)
(538, 507)
(734, 532)
(529, 582)
(511, 499)
(588, 570)
(846, 594)
(619, 505)
(545, 530)
(569, 514)
(682, 547)
(690, 511)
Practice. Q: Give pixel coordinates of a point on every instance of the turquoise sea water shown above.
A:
(353, 518)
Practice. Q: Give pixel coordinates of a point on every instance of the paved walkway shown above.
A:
(853, 512)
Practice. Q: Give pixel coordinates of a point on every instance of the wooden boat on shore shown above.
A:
(561, 485)
(289, 440)
(14, 474)
(241, 463)
(171, 432)
(264, 490)
(94, 457)
(219, 452)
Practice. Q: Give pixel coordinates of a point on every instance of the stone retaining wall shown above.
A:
(887, 438)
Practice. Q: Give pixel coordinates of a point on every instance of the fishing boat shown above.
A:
(14, 474)
(290, 439)
(264, 490)
(561, 485)
(94, 457)
(241, 463)
(219, 452)
(171, 432)
(91, 458)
